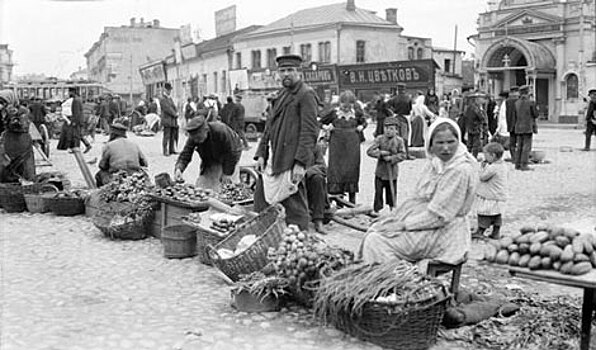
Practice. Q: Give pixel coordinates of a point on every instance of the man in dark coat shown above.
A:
(218, 146)
(70, 136)
(476, 124)
(526, 114)
(383, 111)
(226, 110)
(401, 104)
(491, 116)
(38, 112)
(287, 145)
(510, 114)
(16, 145)
(237, 115)
(590, 119)
(169, 121)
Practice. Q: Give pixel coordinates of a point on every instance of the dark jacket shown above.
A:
(401, 104)
(222, 146)
(168, 112)
(291, 129)
(510, 114)
(225, 112)
(236, 117)
(38, 113)
(590, 113)
(525, 110)
(395, 146)
(475, 120)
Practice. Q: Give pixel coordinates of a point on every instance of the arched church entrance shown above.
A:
(516, 62)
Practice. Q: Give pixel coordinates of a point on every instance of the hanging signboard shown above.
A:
(153, 74)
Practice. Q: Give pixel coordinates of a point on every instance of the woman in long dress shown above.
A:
(72, 113)
(420, 115)
(432, 223)
(345, 124)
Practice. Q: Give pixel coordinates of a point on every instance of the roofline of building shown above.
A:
(104, 34)
(333, 25)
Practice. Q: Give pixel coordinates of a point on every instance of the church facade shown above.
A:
(547, 44)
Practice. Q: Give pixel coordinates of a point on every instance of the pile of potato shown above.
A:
(545, 247)
(184, 193)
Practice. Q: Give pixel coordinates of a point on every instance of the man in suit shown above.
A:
(590, 119)
(286, 148)
(401, 105)
(237, 120)
(525, 111)
(510, 116)
(169, 121)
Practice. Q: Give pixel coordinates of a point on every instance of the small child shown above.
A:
(389, 149)
(492, 190)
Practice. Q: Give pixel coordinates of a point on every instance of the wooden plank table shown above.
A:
(587, 282)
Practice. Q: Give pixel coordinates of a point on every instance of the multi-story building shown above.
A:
(6, 64)
(547, 44)
(114, 59)
(326, 37)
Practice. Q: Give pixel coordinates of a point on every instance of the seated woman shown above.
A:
(432, 224)
(119, 154)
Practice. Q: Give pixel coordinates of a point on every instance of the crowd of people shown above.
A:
(464, 138)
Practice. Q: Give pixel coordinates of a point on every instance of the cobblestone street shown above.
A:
(64, 286)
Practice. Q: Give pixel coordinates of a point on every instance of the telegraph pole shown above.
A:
(130, 86)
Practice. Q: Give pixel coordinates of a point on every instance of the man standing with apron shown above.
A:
(286, 149)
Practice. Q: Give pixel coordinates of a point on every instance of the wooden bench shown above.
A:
(436, 268)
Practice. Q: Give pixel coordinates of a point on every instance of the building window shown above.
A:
(325, 52)
(238, 60)
(214, 82)
(419, 53)
(410, 53)
(224, 82)
(447, 67)
(287, 50)
(256, 58)
(360, 51)
(271, 55)
(306, 52)
(572, 86)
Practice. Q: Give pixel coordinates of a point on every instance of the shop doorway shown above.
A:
(542, 98)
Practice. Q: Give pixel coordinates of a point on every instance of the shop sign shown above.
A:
(389, 73)
(321, 76)
(153, 74)
(264, 80)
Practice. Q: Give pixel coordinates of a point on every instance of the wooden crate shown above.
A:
(171, 214)
(155, 226)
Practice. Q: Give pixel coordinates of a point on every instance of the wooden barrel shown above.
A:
(179, 241)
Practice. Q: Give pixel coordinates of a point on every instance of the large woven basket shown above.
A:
(66, 206)
(12, 198)
(132, 230)
(38, 202)
(268, 227)
(206, 239)
(411, 326)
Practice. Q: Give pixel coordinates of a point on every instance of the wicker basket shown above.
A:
(66, 206)
(38, 202)
(206, 238)
(12, 198)
(268, 227)
(132, 230)
(409, 326)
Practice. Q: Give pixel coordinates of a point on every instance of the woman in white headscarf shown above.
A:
(432, 223)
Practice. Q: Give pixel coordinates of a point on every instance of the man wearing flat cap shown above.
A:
(286, 149)
(510, 117)
(476, 123)
(169, 121)
(218, 146)
(524, 127)
(119, 154)
(590, 118)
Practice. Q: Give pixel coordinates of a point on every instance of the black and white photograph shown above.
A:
(297, 175)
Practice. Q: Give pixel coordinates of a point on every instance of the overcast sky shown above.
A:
(51, 36)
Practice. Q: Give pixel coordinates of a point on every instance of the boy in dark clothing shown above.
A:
(389, 149)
